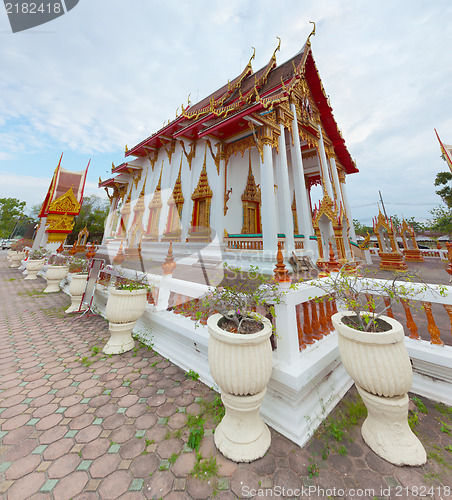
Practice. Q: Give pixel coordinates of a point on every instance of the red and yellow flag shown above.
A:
(446, 151)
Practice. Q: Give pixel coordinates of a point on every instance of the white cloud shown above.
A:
(110, 73)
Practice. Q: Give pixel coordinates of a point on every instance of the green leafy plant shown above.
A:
(205, 468)
(413, 419)
(192, 375)
(38, 254)
(420, 405)
(78, 265)
(20, 245)
(445, 428)
(237, 302)
(313, 470)
(369, 299)
(58, 259)
(139, 282)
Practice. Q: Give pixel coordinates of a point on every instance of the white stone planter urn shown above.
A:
(33, 267)
(76, 290)
(380, 367)
(124, 308)
(16, 259)
(241, 364)
(54, 275)
(8, 254)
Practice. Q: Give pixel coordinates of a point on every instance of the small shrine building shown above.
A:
(62, 203)
(239, 166)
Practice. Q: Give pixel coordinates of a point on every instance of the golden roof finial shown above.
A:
(112, 166)
(126, 149)
(177, 111)
(188, 100)
(276, 50)
(311, 34)
(283, 85)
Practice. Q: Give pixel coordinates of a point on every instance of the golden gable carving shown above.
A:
(66, 203)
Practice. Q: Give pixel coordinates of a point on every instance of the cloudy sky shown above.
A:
(110, 72)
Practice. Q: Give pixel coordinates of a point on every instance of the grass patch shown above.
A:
(53, 312)
(33, 293)
(192, 375)
(420, 405)
(205, 468)
(214, 408)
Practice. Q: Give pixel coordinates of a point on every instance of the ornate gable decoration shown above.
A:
(177, 196)
(202, 189)
(60, 223)
(252, 191)
(327, 207)
(65, 204)
(156, 201)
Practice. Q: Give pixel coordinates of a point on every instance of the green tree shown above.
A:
(93, 213)
(441, 220)
(442, 179)
(362, 229)
(11, 214)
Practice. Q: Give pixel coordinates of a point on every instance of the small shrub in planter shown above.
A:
(373, 352)
(20, 245)
(126, 303)
(18, 252)
(56, 271)
(35, 263)
(240, 361)
(78, 265)
(39, 254)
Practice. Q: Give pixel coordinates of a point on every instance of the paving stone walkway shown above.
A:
(77, 424)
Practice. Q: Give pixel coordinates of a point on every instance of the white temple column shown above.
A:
(301, 195)
(268, 202)
(348, 211)
(337, 186)
(218, 203)
(39, 238)
(285, 198)
(324, 166)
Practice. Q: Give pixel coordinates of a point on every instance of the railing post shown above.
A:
(286, 328)
(432, 328)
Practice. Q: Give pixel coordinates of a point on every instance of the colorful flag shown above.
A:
(446, 151)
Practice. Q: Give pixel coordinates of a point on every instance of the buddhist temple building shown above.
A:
(237, 168)
(62, 203)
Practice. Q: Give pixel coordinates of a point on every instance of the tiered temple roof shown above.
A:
(222, 115)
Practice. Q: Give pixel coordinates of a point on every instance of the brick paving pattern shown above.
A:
(77, 424)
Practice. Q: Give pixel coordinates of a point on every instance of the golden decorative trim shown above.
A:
(294, 215)
(190, 155)
(177, 196)
(136, 178)
(152, 157)
(170, 150)
(251, 200)
(202, 189)
(252, 191)
(157, 198)
(240, 146)
(216, 157)
(65, 203)
(59, 222)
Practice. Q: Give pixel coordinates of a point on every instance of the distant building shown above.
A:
(61, 204)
